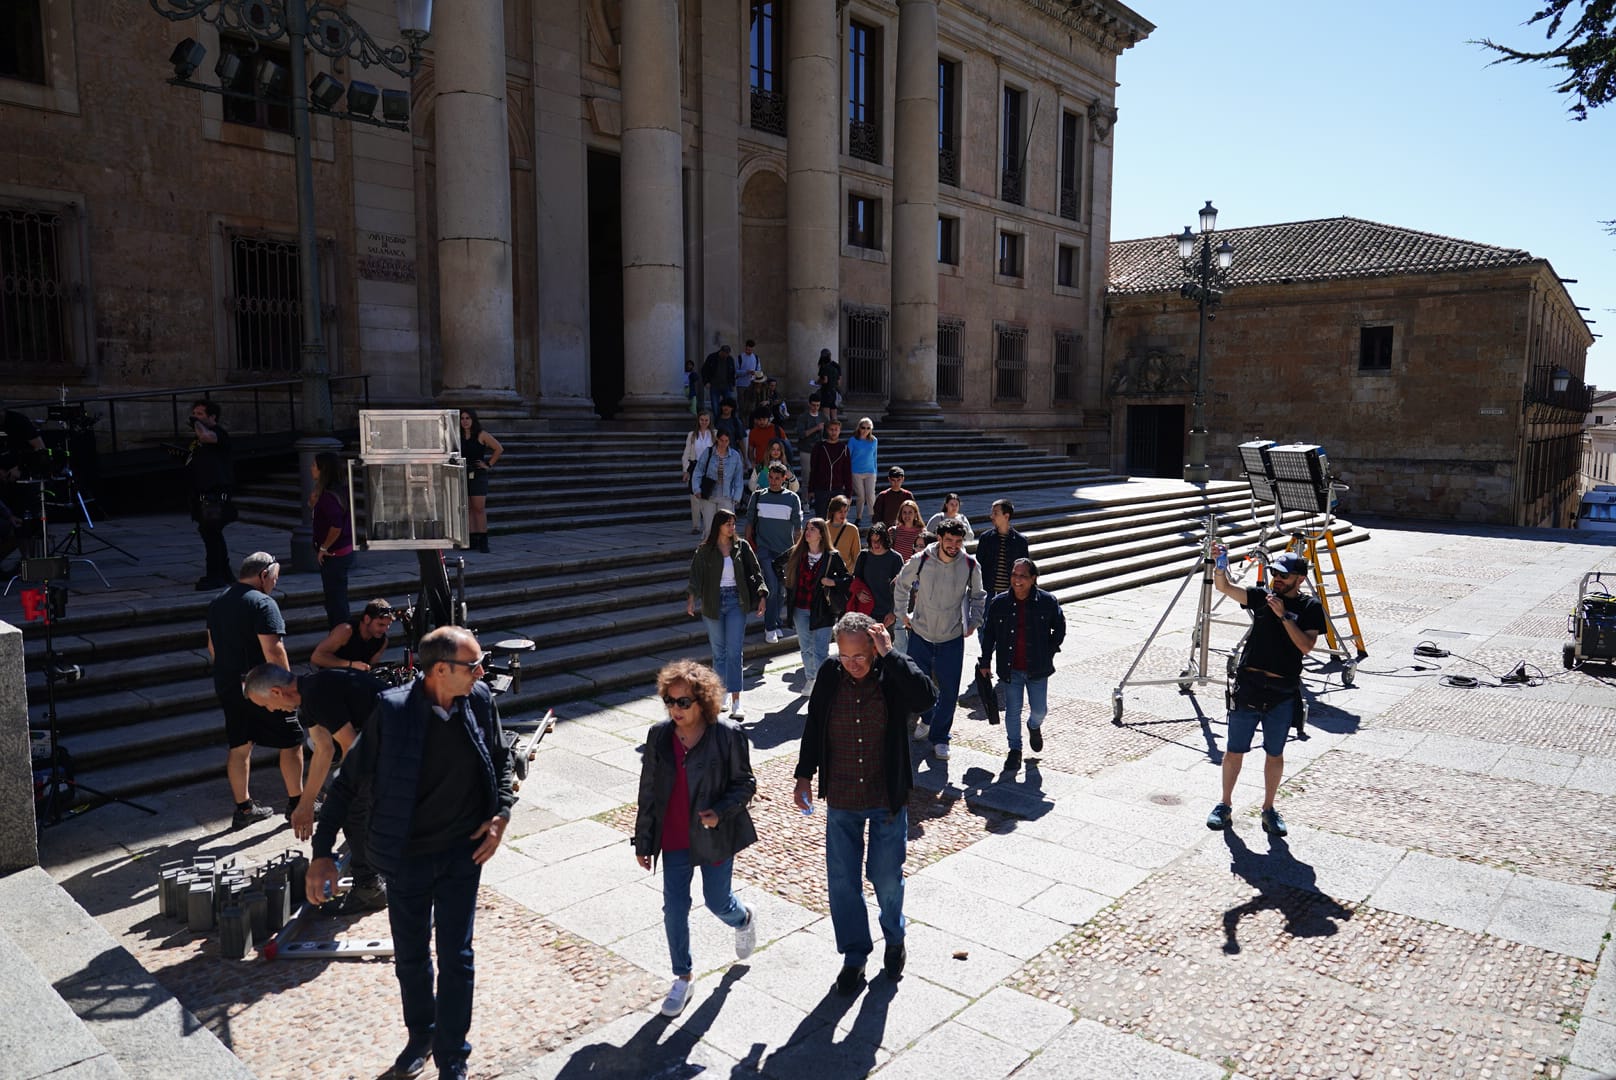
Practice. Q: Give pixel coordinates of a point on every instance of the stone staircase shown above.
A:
(604, 599)
(77, 1004)
(550, 480)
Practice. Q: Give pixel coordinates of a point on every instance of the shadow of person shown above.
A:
(1331, 718)
(1020, 797)
(779, 726)
(814, 1048)
(1283, 883)
(647, 1053)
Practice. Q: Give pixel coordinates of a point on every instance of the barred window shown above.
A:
(265, 304)
(864, 91)
(768, 67)
(864, 347)
(40, 291)
(1009, 363)
(950, 360)
(1068, 351)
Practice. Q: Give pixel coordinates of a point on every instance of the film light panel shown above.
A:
(1259, 474)
(1301, 477)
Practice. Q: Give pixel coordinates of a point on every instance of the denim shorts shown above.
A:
(1276, 721)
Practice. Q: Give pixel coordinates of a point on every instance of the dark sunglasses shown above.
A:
(679, 702)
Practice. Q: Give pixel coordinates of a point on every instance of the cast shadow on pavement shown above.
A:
(645, 1054)
(1283, 883)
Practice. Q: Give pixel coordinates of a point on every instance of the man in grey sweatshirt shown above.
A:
(949, 599)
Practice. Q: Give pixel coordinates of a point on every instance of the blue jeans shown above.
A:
(941, 660)
(439, 889)
(727, 634)
(1037, 705)
(814, 645)
(777, 600)
(334, 583)
(1276, 721)
(715, 891)
(844, 852)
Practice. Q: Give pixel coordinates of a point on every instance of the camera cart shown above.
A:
(1592, 623)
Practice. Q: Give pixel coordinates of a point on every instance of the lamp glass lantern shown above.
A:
(1186, 243)
(1209, 217)
(1225, 255)
(415, 17)
(1561, 380)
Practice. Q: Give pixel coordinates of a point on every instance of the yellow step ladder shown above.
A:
(1308, 544)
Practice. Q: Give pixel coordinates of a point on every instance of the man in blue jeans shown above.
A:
(1023, 630)
(773, 524)
(949, 599)
(856, 739)
(440, 780)
(1285, 624)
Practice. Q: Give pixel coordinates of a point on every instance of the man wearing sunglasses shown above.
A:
(1285, 624)
(440, 780)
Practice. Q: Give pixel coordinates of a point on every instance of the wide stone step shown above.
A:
(49, 1038)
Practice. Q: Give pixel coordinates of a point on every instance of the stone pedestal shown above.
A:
(914, 218)
(653, 212)
(19, 840)
(813, 190)
(474, 207)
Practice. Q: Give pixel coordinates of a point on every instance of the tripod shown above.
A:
(51, 604)
(1196, 672)
(71, 498)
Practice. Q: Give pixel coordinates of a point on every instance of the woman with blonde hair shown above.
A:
(775, 452)
(908, 529)
(726, 580)
(697, 442)
(862, 447)
(695, 783)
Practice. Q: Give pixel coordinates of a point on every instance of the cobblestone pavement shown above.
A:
(1442, 907)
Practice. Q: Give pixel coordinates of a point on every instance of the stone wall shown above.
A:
(19, 842)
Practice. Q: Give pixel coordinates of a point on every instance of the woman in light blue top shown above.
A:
(861, 449)
(722, 465)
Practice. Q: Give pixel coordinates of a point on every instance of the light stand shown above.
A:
(1208, 274)
(49, 603)
(71, 497)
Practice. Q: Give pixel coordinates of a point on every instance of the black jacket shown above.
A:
(906, 690)
(1046, 629)
(830, 601)
(388, 755)
(991, 548)
(718, 771)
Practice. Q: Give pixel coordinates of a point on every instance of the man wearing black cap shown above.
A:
(1285, 624)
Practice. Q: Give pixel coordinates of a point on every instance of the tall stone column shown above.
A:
(474, 207)
(914, 218)
(653, 211)
(813, 189)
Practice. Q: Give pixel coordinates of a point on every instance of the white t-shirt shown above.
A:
(746, 366)
(726, 580)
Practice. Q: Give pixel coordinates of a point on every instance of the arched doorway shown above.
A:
(763, 272)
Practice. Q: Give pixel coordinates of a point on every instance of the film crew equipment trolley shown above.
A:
(1592, 623)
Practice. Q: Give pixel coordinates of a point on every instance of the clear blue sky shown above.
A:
(1285, 111)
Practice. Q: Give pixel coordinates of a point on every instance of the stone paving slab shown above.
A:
(957, 1051)
(979, 918)
(1090, 1049)
(1444, 891)
(1016, 1018)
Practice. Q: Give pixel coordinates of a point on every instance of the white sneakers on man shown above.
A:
(771, 636)
(940, 751)
(746, 935)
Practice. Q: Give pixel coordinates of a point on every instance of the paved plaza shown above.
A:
(1441, 908)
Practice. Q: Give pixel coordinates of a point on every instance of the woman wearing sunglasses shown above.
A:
(695, 783)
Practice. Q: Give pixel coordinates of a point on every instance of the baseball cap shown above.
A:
(894, 471)
(1288, 562)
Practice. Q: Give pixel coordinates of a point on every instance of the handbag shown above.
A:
(860, 598)
(708, 483)
(214, 510)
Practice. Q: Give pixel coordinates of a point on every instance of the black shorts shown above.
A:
(246, 723)
(477, 482)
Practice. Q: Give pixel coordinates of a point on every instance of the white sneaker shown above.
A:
(940, 751)
(771, 636)
(808, 688)
(737, 714)
(678, 997)
(921, 732)
(746, 935)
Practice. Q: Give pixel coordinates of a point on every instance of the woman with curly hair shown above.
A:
(727, 581)
(333, 534)
(695, 783)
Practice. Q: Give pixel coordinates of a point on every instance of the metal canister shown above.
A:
(235, 935)
(199, 907)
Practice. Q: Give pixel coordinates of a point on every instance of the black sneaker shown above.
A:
(1035, 739)
(1272, 823)
(357, 901)
(411, 1061)
(850, 979)
(892, 963)
(1012, 761)
(246, 815)
(1219, 818)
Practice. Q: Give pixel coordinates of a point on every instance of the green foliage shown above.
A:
(1587, 54)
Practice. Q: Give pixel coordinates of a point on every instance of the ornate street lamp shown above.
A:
(330, 30)
(1208, 278)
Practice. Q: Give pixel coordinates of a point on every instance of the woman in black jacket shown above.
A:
(813, 575)
(695, 782)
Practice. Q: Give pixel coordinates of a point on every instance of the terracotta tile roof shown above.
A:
(1321, 250)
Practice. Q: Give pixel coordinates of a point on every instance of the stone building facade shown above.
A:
(1424, 365)
(592, 191)
(1599, 441)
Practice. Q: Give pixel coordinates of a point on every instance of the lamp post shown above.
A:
(1208, 273)
(332, 31)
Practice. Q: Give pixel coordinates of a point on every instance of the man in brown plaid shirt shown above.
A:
(857, 740)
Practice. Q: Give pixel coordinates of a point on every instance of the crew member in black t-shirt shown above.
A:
(1285, 624)
(212, 478)
(357, 644)
(245, 629)
(333, 707)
